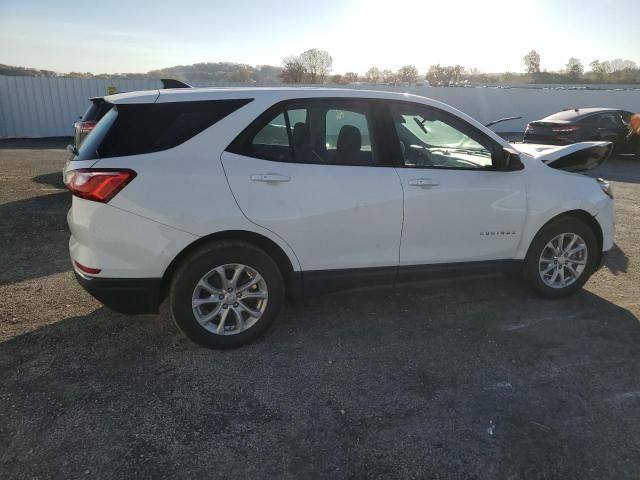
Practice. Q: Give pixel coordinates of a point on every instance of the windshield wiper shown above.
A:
(421, 126)
(470, 151)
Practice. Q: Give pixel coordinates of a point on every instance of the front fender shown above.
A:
(570, 192)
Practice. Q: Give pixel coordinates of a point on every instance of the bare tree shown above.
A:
(351, 77)
(373, 75)
(599, 69)
(457, 71)
(532, 62)
(445, 76)
(339, 79)
(317, 64)
(574, 68)
(388, 76)
(293, 70)
(408, 74)
(620, 64)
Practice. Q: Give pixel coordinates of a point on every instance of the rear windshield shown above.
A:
(91, 112)
(573, 116)
(89, 147)
(144, 128)
(567, 115)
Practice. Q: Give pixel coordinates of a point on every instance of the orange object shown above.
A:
(635, 123)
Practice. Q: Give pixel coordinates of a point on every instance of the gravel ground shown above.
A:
(468, 379)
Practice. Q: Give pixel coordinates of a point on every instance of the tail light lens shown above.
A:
(98, 185)
(85, 127)
(567, 129)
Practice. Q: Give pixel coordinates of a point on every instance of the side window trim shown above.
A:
(287, 126)
(390, 131)
(239, 144)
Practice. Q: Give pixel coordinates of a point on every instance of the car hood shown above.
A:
(577, 157)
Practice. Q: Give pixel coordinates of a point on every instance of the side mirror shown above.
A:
(511, 160)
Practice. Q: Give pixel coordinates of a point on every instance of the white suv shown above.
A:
(226, 200)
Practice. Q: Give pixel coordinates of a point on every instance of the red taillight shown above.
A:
(85, 269)
(86, 127)
(99, 185)
(567, 129)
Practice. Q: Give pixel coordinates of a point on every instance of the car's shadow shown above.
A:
(361, 381)
(48, 143)
(52, 179)
(617, 261)
(621, 168)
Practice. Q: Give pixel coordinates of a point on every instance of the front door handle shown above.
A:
(270, 178)
(424, 182)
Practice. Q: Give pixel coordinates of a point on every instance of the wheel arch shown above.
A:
(283, 261)
(583, 216)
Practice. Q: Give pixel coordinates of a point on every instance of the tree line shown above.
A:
(608, 71)
(314, 66)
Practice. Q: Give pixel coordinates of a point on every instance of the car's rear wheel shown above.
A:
(561, 258)
(226, 294)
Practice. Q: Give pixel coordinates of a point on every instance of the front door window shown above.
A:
(435, 139)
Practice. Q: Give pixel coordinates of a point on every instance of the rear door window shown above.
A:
(272, 140)
(331, 131)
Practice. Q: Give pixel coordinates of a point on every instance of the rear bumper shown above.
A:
(545, 140)
(124, 295)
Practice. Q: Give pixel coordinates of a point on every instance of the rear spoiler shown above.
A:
(171, 83)
(166, 83)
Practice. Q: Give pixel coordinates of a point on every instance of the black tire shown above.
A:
(565, 224)
(205, 259)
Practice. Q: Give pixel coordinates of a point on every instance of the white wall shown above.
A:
(47, 107)
(33, 107)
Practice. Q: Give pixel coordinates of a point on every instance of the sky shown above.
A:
(138, 36)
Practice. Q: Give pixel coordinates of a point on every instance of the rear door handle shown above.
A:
(423, 182)
(270, 178)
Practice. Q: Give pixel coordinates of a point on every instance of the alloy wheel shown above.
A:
(230, 299)
(563, 260)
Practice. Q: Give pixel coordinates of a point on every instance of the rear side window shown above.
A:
(609, 119)
(145, 128)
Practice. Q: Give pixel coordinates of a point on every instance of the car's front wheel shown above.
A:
(561, 258)
(226, 294)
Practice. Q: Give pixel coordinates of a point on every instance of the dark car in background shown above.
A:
(583, 125)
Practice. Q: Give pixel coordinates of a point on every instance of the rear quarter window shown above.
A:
(135, 129)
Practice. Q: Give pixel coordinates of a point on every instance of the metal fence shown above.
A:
(47, 107)
(32, 107)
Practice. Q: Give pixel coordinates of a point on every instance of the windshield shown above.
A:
(88, 148)
(436, 133)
